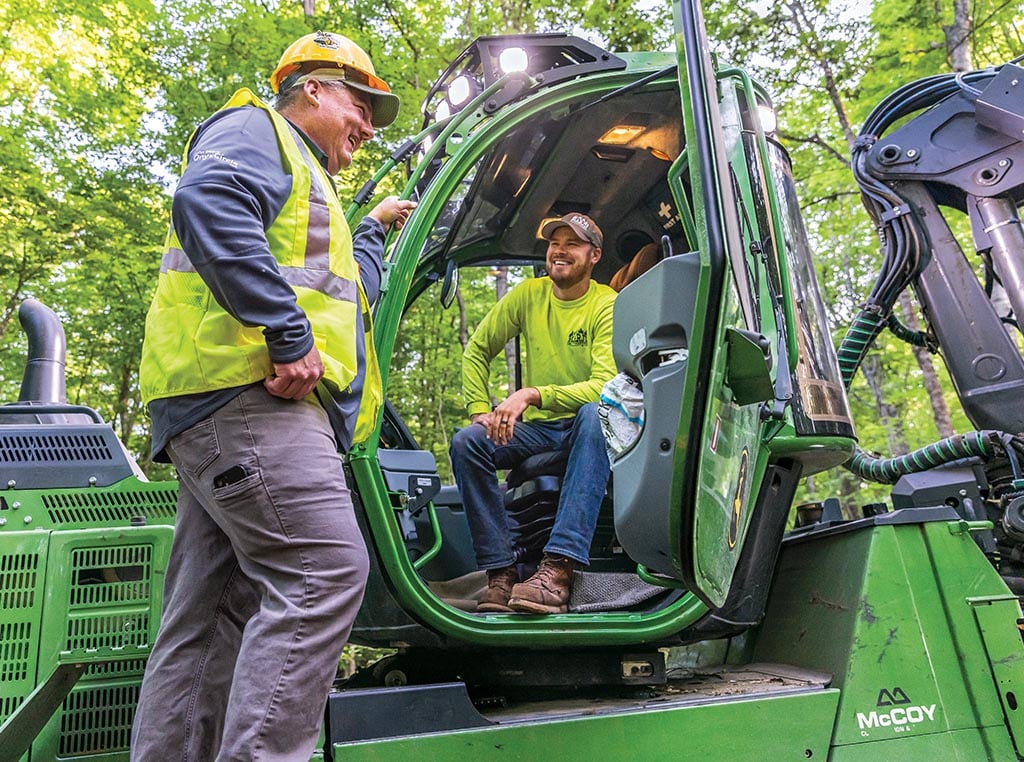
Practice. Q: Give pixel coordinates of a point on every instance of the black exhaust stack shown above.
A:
(45, 443)
(43, 380)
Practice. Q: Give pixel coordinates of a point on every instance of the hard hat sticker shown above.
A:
(325, 40)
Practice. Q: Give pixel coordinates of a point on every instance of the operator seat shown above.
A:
(531, 500)
(647, 257)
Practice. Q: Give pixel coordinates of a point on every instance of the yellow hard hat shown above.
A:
(322, 50)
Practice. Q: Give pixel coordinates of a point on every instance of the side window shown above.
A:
(444, 226)
(823, 407)
(745, 269)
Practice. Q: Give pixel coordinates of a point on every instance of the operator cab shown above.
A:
(701, 328)
(609, 160)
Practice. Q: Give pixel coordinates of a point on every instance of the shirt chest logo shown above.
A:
(578, 338)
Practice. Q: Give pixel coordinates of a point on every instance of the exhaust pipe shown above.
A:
(43, 380)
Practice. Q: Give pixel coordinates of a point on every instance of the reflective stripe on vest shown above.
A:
(315, 279)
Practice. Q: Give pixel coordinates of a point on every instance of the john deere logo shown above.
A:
(737, 500)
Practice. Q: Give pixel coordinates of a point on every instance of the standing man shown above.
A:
(565, 320)
(257, 369)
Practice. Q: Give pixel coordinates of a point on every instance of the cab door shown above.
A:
(700, 331)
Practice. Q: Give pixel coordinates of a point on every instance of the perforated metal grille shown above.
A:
(104, 576)
(8, 704)
(111, 631)
(97, 720)
(114, 669)
(53, 448)
(102, 506)
(17, 596)
(18, 580)
(15, 649)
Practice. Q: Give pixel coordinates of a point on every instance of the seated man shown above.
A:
(565, 321)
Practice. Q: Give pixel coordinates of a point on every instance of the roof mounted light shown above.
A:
(548, 58)
(768, 118)
(513, 59)
(459, 90)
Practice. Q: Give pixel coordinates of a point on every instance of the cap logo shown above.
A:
(580, 220)
(325, 40)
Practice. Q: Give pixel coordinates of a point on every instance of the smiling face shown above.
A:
(339, 123)
(570, 260)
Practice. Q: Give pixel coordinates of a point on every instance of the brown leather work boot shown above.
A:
(499, 587)
(547, 591)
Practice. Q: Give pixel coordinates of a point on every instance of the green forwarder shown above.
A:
(707, 626)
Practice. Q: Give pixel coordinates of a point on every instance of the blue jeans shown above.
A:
(476, 461)
(265, 577)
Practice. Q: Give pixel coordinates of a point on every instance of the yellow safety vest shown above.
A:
(193, 345)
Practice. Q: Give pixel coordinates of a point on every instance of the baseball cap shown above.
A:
(581, 224)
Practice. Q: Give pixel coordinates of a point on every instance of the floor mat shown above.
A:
(591, 591)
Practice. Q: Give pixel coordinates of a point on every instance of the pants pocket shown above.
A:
(195, 448)
(252, 480)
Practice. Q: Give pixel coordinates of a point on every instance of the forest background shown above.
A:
(98, 99)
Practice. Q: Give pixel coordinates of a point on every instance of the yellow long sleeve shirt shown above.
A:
(567, 347)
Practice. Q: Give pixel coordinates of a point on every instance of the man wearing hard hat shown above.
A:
(258, 368)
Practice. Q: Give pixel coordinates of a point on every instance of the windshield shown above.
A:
(609, 161)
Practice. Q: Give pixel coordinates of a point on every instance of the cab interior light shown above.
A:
(621, 134)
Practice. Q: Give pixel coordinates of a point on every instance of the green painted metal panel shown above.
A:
(81, 581)
(731, 471)
(793, 727)
(115, 506)
(891, 620)
(998, 622)
(103, 606)
(22, 585)
(954, 746)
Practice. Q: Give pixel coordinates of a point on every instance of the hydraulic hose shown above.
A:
(858, 339)
(901, 261)
(909, 335)
(976, 444)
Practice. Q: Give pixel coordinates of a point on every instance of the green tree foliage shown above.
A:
(80, 209)
(97, 101)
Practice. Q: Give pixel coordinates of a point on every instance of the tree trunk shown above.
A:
(940, 410)
(805, 26)
(511, 355)
(888, 413)
(958, 36)
(463, 320)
